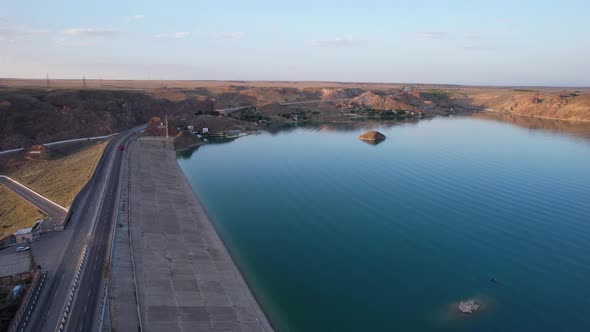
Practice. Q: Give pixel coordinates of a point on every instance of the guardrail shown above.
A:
(21, 318)
(73, 289)
(62, 142)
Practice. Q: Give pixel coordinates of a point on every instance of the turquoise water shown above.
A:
(334, 234)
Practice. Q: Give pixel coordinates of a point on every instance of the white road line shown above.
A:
(80, 139)
(34, 192)
(11, 151)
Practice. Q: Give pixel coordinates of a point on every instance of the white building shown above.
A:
(26, 235)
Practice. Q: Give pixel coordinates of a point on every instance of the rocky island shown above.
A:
(372, 136)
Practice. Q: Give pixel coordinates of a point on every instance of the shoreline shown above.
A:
(491, 110)
(261, 313)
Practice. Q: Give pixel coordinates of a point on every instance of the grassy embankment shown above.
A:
(58, 178)
(15, 212)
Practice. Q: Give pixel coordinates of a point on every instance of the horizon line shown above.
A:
(298, 81)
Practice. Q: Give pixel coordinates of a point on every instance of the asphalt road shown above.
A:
(47, 314)
(56, 212)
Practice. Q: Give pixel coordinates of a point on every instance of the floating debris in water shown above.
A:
(468, 307)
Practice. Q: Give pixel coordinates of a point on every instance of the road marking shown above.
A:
(88, 293)
(34, 192)
(85, 307)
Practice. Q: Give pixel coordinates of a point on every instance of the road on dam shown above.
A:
(90, 224)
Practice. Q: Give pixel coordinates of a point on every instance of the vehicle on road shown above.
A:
(19, 249)
(121, 147)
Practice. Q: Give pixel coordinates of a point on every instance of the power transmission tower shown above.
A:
(84, 82)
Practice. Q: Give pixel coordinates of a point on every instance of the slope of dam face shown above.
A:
(186, 280)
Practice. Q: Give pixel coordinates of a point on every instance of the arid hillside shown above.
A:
(32, 114)
(571, 104)
(30, 117)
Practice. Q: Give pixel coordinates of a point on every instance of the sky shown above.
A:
(541, 43)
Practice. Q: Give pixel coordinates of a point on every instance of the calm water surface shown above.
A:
(334, 234)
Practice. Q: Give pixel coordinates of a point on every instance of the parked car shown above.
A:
(19, 249)
(121, 147)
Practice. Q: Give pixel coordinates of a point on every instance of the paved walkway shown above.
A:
(55, 211)
(185, 277)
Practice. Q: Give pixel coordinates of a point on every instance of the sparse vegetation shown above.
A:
(439, 94)
(15, 212)
(61, 177)
(253, 117)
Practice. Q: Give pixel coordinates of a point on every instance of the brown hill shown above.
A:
(340, 93)
(382, 101)
(563, 105)
(37, 116)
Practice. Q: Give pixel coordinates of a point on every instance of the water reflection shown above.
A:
(377, 142)
(573, 128)
(337, 126)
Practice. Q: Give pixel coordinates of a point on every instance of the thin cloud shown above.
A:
(431, 35)
(231, 35)
(90, 32)
(138, 17)
(476, 47)
(338, 42)
(181, 35)
(12, 35)
(472, 35)
(174, 35)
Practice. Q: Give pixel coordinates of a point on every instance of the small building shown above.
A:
(205, 130)
(26, 235)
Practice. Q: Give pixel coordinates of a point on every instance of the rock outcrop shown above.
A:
(372, 136)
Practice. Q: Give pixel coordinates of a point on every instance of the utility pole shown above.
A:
(166, 127)
(84, 82)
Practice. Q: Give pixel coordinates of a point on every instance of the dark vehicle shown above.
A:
(121, 147)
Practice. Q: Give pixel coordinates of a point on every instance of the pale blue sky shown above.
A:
(422, 41)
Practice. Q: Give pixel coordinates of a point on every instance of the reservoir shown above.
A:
(334, 234)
